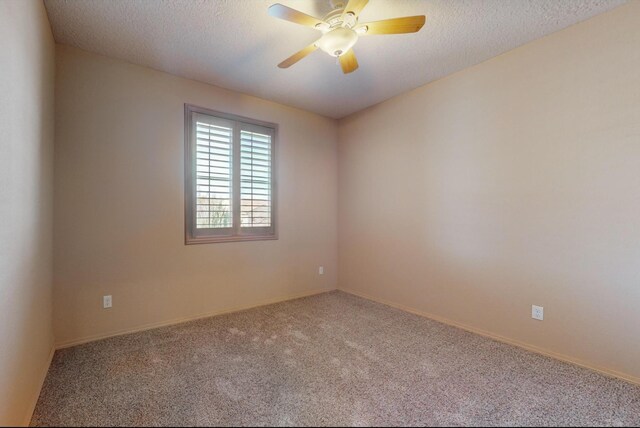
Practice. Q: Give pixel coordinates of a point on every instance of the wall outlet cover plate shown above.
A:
(537, 312)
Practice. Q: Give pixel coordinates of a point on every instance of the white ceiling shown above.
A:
(235, 44)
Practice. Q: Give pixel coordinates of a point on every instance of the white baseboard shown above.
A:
(145, 327)
(565, 358)
(43, 376)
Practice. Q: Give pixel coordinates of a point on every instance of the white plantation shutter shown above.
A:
(229, 170)
(255, 177)
(214, 173)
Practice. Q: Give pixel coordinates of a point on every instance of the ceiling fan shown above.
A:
(340, 30)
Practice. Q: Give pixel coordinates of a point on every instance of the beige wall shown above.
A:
(119, 222)
(511, 183)
(26, 205)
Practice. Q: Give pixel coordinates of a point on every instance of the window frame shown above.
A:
(236, 232)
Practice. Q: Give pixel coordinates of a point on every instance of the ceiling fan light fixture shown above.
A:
(338, 41)
(340, 30)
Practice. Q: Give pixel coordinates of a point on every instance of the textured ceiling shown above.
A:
(235, 44)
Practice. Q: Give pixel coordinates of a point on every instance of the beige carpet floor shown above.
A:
(331, 359)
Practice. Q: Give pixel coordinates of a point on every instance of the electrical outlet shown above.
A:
(107, 302)
(321, 270)
(537, 312)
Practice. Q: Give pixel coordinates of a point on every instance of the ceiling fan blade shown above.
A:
(298, 56)
(355, 7)
(408, 24)
(283, 12)
(348, 62)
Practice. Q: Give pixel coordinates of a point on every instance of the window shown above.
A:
(229, 177)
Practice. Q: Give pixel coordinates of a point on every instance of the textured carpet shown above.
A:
(331, 359)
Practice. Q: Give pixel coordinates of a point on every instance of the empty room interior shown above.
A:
(319, 213)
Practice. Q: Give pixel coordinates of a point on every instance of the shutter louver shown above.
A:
(214, 153)
(255, 180)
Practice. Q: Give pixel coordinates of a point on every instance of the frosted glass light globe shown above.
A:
(338, 41)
